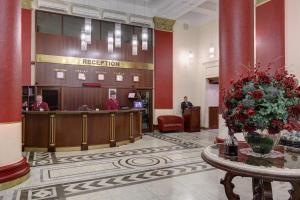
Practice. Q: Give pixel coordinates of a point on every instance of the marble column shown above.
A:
(236, 33)
(13, 166)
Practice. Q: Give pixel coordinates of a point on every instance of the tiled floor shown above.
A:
(158, 167)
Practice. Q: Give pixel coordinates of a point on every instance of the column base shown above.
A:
(14, 174)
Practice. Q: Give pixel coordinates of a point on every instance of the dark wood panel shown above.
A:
(136, 125)
(46, 75)
(68, 130)
(70, 46)
(122, 126)
(213, 113)
(36, 131)
(98, 133)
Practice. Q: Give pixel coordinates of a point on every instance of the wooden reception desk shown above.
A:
(79, 130)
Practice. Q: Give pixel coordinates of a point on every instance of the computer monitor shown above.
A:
(131, 95)
(137, 104)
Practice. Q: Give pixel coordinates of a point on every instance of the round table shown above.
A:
(281, 165)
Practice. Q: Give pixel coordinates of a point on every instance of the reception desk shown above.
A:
(79, 130)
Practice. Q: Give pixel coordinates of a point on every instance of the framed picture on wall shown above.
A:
(119, 77)
(81, 76)
(112, 91)
(136, 78)
(60, 75)
(100, 77)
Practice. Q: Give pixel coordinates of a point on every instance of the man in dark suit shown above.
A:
(185, 104)
(39, 105)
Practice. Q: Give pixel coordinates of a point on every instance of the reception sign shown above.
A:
(42, 58)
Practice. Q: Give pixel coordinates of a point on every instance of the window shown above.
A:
(72, 26)
(48, 23)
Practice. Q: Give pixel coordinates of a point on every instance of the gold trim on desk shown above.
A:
(98, 146)
(131, 126)
(84, 129)
(52, 131)
(42, 58)
(112, 127)
(35, 149)
(67, 149)
(124, 142)
(23, 130)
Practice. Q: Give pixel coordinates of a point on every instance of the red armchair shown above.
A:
(167, 123)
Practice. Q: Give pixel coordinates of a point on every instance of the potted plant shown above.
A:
(261, 106)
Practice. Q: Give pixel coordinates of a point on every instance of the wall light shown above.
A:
(211, 51)
(190, 55)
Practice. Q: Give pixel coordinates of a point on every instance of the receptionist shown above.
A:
(39, 104)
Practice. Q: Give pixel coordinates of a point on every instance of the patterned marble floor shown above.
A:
(158, 167)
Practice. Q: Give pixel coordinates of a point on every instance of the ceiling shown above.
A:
(194, 12)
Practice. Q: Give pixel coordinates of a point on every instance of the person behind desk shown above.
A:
(185, 104)
(112, 103)
(39, 105)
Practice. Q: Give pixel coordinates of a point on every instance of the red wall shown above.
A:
(163, 64)
(26, 46)
(270, 34)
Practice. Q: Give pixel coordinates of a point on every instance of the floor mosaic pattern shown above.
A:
(158, 167)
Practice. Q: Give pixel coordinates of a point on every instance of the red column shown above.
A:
(236, 34)
(163, 72)
(270, 34)
(26, 46)
(12, 165)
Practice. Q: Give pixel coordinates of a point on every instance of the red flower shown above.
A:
(289, 82)
(249, 128)
(250, 111)
(238, 94)
(257, 94)
(263, 78)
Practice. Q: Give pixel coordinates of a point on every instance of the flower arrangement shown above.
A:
(261, 101)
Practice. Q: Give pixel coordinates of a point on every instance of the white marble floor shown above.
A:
(158, 167)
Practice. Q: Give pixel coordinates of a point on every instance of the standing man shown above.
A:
(39, 105)
(185, 104)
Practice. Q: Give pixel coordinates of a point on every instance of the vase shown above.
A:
(261, 142)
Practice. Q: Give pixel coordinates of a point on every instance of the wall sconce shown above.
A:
(110, 42)
(117, 35)
(134, 45)
(211, 51)
(191, 55)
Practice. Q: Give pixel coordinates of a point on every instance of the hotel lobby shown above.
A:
(149, 99)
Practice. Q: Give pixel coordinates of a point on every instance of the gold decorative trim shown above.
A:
(123, 142)
(62, 149)
(35, 149)
(52, 131)
(10, 184)
(131, 126)
(261, 2)
(163, 24)
(99, 146)
(42, 58)
(140, 121)
(26, 4)
(112, 127)
(84, 129)
(23, 130)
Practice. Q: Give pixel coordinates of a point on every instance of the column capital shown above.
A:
(26, 4)
(163, 24)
